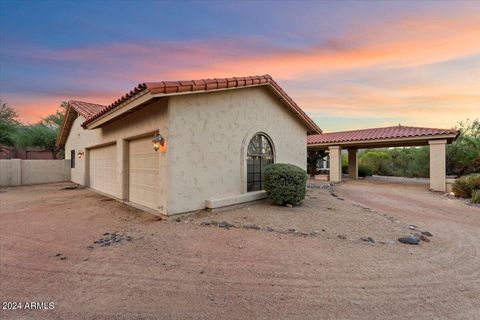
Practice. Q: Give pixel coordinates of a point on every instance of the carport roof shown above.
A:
(378, 137)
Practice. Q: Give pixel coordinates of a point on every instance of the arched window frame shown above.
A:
(259, 163)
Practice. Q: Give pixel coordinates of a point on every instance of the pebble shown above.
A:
(341, 236)
(367, 239)
(426, 233)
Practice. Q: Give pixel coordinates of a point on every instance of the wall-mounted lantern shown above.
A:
(80, 154)
(158, 141)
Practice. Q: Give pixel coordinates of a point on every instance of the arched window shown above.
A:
(259, 155)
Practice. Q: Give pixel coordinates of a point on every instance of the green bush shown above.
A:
(476, 196)
(463, 187)
(285, 183)
(364, 171)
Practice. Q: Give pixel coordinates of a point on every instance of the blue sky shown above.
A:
(348, 64)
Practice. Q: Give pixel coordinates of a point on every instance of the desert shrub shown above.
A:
(285, 183)
(379, 161)
(364, 171)
(476, 196)
(464, 186)
(473, 167)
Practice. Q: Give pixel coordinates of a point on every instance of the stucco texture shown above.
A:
(209, 135)
(143, 122)
(15, 172)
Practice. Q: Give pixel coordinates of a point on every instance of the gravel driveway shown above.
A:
(99, 259)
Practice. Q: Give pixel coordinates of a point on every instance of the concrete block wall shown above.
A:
(15, 172)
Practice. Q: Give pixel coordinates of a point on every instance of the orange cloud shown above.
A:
(407, 44)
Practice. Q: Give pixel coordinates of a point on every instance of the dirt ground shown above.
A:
(306, 262)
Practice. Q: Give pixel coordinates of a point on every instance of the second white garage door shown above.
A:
(144, 180)
(103, 169)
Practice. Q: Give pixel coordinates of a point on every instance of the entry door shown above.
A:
(144, 178)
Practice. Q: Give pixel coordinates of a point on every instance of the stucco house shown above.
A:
(213, 138)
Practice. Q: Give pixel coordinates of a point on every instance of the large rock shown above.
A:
(409, 240)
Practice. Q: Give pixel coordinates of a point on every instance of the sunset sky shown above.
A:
(349, 65)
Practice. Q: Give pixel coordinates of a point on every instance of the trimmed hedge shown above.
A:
(285, 183)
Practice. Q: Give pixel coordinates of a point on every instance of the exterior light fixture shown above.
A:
(158, 141)
(80, 154)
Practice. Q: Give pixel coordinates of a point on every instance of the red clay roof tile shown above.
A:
(377, 133)
(86, 109)
(168, 87)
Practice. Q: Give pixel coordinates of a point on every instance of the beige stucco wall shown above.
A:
(208, 138)
(24, 172)
(142, 122)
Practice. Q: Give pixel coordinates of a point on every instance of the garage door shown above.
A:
(103, 169)
(144, 177)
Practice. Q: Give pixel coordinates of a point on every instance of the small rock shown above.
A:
(341, 236)
(106, 234)
(367, 239)
(63, 258)
(412, 227)
(225, 225)
(288, 205)
(409, 240)
(90, 247)
(240, 247)
(205, 223)
(58, 255)
(424, 238)
(292, 230)
(269, 229)
(178, 220)
(251, 226)
(426, 233)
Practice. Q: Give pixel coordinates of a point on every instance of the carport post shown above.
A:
(437, 165)
(353, 163)
(335, 163)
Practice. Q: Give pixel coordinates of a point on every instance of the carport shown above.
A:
(397, 136)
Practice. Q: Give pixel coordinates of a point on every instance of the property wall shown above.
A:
(208, 138)
(16, 172)
(142, 122)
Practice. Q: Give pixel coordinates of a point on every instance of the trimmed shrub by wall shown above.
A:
(285, 183)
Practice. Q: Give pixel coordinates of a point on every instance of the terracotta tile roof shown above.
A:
(377, 133)
(86, 109)
(175, 87)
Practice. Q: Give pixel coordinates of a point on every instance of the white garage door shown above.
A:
(103, 169)
(144, 179)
